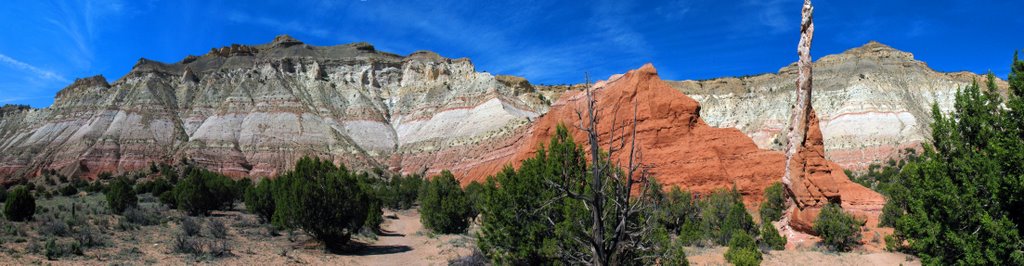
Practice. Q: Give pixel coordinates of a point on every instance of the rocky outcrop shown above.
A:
(811, 180)
(818, 181)
(253, 110)
(675, 141)
(873, 102)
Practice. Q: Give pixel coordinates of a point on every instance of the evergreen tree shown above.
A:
(443, 205)
(120, 195)
(960, 202)
(839, 230)
(723, 213)
(774, 203)
(475, 197)
(742, 250)
(523, 219)
(20, 205)
(260, 199)
(771, 238)
(324, 200)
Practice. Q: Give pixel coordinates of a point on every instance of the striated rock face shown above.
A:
(873, 101)
(254, 110)
(682, 149)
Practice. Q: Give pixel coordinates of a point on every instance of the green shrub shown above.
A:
(120, 195)
(169, 198)
(397, 192)
(742, 250)
(204, 191)
(260, 200)
(374, 216)
(408, 189)
(324, 200)
(443, 205)
(141, 216)
(675, 255)
(960, 203)
(20, 205)
(774, 203)
(890, 213)
(3, 194)
(722, 213)
(217, 229)
(475, 196)
(55, 249)
(679, 208)
(95, 186)
(156, 186)
(52, 250)
(191, 226)
(838, 230)
(771, 238)
(68, 190)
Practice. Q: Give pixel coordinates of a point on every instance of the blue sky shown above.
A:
(47, 44)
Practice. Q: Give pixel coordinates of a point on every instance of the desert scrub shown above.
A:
(198, 246)
(190, 226)
(20, 204)
(444, 205)
(839, 230)
(120, 195)
(141, 216)
(217, 229)
(770, 237)
(324, 200)
(55, 249)
(774, 203)
(743, 250)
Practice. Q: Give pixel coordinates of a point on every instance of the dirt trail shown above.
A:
(405, 242)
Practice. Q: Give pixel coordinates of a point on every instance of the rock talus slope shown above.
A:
(873, 102)
(254, 110)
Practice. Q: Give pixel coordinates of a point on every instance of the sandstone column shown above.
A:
(802, 108)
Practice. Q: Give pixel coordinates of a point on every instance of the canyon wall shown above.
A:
(873, 101)
(254, 110)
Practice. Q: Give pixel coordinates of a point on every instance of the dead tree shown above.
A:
(614, 226)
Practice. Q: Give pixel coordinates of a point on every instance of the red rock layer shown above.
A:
(818, 181)
(682, 149)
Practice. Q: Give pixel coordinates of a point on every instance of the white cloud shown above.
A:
(41, 73)
(674, 9)
(78, 21)
(779, 16)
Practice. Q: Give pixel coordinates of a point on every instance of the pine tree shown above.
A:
(120, 195)
(443, 205)
(960, 202)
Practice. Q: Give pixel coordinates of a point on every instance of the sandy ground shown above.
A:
(404, 242)
(716, 256)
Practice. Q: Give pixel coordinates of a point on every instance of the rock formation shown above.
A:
(802, 110)
(681, 149)
(810, 179)
(873, 101)
(254, 110)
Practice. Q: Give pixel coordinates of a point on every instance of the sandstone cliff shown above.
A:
(675, 141)
(254, 110)
(873, 102)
